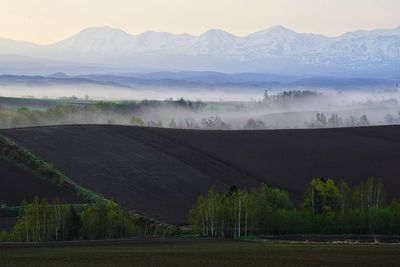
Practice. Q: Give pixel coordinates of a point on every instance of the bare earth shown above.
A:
(161, 172)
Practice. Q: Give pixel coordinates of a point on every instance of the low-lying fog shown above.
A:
(223, 108)
(110, 93)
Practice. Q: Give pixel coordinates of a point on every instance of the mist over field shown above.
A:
(111, 93)
(353, 77)
(233, 107)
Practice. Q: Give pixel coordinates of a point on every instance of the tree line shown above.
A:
(287, 97)
(328, 208)
(130, 114)
(40, 221)
(85, 112)
(334, 121)
(321, 120)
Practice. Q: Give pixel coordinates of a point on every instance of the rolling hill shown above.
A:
(161, 172)
(18, 185)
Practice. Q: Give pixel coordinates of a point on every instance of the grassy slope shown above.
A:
(203, 253)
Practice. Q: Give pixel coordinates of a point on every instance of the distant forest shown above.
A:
(192, 114)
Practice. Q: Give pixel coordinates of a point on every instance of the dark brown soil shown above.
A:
(17, 185)
(290, 158)
(161, 172)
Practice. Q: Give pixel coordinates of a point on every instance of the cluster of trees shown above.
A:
(209, 123)
(40, 221)
(392, 119)
(290, 96)
(214, 123)
(240, 212)
(130, 106)
(132, 113)
(137, 121)
(334, 121)
(25, 117)
(88, 112)
(183, 103)
(328, 208)
(253, 124)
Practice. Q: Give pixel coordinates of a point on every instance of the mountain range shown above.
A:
(276, 50)
(186, 80)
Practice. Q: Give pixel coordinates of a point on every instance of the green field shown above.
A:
(201, 253)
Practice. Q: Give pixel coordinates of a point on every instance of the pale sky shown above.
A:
(47, 21)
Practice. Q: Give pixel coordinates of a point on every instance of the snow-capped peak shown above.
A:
(96, 40)
(372, 33)
(277, 30)
(214, 41)
(355, 50)
(217, 33)
(11, 47)
(152, 40)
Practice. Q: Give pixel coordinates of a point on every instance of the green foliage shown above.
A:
(188, 233)
(136, 121)
(76, 112)
(240, 212)
(327, 209)
(322, 196)
(5, 236)
(40, 221)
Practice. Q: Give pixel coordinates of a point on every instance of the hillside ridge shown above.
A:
(161, 172)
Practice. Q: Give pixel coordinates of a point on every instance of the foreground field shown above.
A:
(201, 253)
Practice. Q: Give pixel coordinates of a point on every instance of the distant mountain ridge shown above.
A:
(276, 50)
(202, 80)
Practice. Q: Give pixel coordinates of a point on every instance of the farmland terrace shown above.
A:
(161, 172)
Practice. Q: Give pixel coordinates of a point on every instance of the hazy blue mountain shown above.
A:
(188, 80)
(11, 47)
(55, 79)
